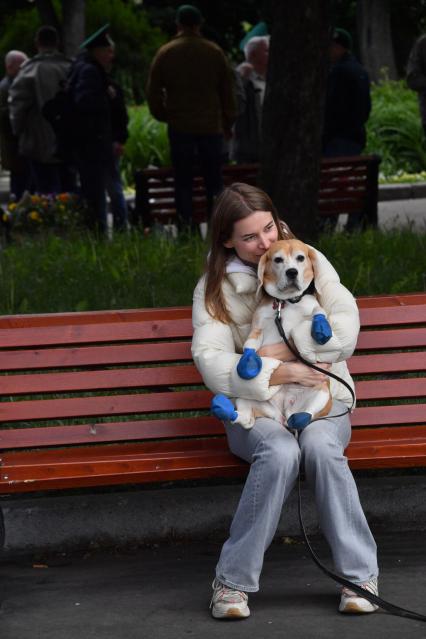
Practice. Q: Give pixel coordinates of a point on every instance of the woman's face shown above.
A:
(253, 235)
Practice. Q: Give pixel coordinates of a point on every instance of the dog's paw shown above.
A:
(223, 408)
(298, 421)
(250, 364)
(321, 330)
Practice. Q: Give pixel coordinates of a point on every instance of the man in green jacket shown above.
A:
(191, 87)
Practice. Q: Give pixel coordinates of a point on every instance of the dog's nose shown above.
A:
(291, 273)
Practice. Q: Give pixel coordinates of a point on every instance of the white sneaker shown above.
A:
(227, 603)
(351, 602)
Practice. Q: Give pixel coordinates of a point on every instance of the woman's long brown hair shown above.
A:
(235, 203)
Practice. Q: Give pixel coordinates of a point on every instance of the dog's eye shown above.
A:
(278, 260)
(300, 258)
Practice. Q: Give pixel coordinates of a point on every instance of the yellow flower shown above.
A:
(35, 199)
(5, 217)
(12, 206)
(35, 216)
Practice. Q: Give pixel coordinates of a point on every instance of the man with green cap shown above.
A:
(95, 100)
(191, 87)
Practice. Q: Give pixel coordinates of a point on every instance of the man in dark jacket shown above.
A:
(91, 91)
(347, 107)
(191, 87)
(37, 82)
(348, 102)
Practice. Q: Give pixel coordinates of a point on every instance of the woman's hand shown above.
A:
(298, 373)
(277, 351)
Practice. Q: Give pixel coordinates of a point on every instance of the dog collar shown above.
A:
(278, 304)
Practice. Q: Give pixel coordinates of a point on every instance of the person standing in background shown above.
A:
(347, 108)
(251, 85)
(11, 160)
(191, 87)
(37, 82)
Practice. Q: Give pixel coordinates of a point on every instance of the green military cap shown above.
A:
(100, 38)
(342, 37)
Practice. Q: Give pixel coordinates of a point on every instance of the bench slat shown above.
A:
(158, 352)
(392, 316)
(391, 388)
(389, 415)
(96, 317)
(90, 333)
(187, 465)
(32, 410)
(399, 338)
(98, 380)
(387, 363)
(109, 432)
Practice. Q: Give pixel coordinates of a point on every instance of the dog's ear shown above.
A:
(261, 268)
(313, 257)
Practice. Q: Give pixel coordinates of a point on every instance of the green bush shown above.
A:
(147, 144)
(394, 129)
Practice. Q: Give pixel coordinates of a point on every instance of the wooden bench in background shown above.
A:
(112, 397)
(347, 185)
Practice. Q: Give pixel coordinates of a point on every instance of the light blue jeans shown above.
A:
(275, 455)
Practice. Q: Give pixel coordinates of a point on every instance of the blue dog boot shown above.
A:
(250, 364)
(298, 421)
(223, 408)
(321, 330)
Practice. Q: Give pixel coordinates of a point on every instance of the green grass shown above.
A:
(79, 273)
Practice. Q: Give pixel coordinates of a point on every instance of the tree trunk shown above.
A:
(73, 22)
(375, 38)
(47, 13)
(293, 111)
(74, 14)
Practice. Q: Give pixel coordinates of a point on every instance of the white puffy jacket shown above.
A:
(216, 347)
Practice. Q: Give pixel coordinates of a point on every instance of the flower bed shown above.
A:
(37, 212)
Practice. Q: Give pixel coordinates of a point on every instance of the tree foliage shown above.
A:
(136, 39)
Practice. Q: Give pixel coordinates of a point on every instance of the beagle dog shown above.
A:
(286, 274)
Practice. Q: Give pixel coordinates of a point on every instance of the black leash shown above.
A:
(365, 594)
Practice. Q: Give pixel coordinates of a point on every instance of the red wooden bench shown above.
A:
(112, 397)
(347, 185)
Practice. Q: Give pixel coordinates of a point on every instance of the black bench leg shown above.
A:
(371, 201)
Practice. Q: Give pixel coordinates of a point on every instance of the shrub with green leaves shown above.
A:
(148, 143)
(394, 129)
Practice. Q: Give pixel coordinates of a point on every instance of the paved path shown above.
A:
(163, 593)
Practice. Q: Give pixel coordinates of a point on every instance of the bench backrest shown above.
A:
(347, 185)
(85, 379)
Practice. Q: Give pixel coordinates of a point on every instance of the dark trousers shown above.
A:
(93, 184)
(334, 148)
(185, 149)
(52, 178)
(20, 180)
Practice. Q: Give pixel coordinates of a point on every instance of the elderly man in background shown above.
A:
(11, 160)
(251, 84)
(191, 87)
(38, 82)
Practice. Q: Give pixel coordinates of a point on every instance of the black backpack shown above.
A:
(60, 114)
